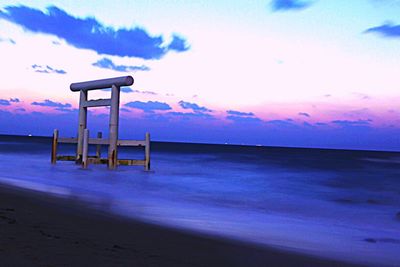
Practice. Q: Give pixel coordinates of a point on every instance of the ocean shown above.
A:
(338, 204)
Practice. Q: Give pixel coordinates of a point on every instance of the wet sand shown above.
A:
(40, 230)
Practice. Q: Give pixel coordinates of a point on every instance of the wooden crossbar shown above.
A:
(131, 143)
(99, 141)
(95, 160)
(126, 162)
(96, 103)
(66, 158)
(66, 140)
(131, 162)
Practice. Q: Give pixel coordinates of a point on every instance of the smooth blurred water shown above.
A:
(332, 203)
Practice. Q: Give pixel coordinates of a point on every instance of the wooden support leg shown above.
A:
(98, 147)
(54, 147)
(147, 153)
(82, 125)
(113, 136)
(85, 148)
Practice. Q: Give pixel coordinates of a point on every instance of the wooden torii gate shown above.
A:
(113, 142)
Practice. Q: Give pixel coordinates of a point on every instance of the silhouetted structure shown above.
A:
(83, 139)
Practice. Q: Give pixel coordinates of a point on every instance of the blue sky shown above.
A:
(306, 73)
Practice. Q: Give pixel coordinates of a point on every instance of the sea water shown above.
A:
(338, 204)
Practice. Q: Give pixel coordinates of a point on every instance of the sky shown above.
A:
(298, 73)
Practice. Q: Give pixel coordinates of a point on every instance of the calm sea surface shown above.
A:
(333, 203)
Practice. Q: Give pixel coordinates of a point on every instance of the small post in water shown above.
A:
(54, 147)
(98, 147)
(147, 153)
(85, 148)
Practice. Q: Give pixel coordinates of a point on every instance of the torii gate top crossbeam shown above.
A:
(102, 84)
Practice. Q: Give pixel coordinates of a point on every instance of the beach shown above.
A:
(39, 230)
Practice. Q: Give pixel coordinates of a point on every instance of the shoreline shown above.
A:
(39, 229)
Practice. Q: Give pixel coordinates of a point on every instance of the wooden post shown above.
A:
(85, 149)
(98, 147)
(82, 124)
(113, 135)
(147, 153)
(54, 147)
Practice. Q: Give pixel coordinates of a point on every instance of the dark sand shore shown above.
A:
(38, 230)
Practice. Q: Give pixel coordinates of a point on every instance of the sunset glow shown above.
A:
(282, 73)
